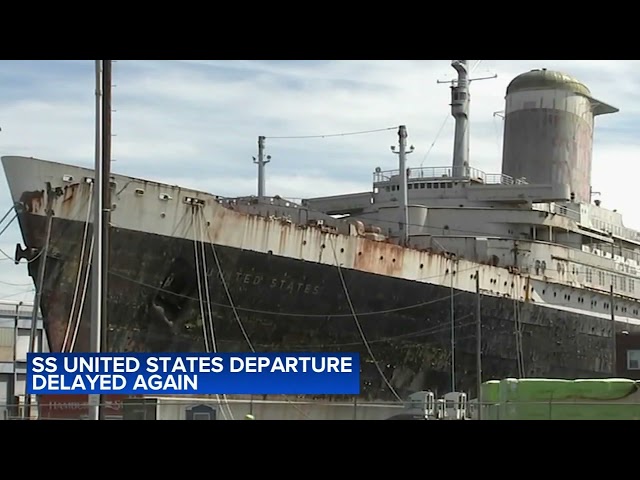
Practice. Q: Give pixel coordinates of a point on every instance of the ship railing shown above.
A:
(630, 258)
(557, 209)
(252, 200)
(610, 228)
(446, 173)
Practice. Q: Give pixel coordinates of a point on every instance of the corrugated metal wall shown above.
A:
(7, 343)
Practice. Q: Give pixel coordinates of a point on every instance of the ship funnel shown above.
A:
(548, 131)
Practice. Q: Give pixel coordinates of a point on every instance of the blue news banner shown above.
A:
(194, 373)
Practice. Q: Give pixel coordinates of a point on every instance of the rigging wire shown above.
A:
(5, 216)
(15, 284)
(363, 132)
(80, 265)
(235, 312)
(8, 224)
(199, 238)
(6, 255)
(289, 314)
(423, 332)
(83, 297)
(205, 333)
(31, 290)
(355, 317)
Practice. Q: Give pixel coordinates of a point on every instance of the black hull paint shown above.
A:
(290, 305)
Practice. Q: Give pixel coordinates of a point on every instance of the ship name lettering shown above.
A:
(288, 285)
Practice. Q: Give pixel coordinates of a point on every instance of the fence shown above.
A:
(208, 408)
(233, 409)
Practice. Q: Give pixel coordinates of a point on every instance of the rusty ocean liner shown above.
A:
(395, 274)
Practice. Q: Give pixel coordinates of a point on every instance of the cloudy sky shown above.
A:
(196, 123)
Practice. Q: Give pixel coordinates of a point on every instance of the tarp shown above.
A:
(555, 399)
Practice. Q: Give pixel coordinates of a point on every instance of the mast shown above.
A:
(460, 111)
(403, 221)
(460, 99)
(261, 162)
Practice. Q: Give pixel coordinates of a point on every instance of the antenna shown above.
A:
(404, 174)
(261, 162)
(460, 110)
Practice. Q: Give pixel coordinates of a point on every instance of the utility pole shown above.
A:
(261, 162)
(95, 342)
(460, 99)
(106, 208)
(478, 345)
(403, 174)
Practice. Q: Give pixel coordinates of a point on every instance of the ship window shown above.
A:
(449, 185)
(443, 185)
(201, 416)
(631, 284)
(428, 185)
(387, 189)
(589, 275)
(633, 359)
(410, 186)
(623, 283)
(435, 185)
(614, 281)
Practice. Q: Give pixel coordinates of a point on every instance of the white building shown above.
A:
(15, 330)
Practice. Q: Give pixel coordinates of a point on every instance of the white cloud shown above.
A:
(196, 123)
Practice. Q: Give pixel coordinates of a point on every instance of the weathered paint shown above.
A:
(543, 79)
(549, 139)
(284, 281)
(147, 213)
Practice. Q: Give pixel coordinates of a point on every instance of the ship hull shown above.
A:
(157, 302)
